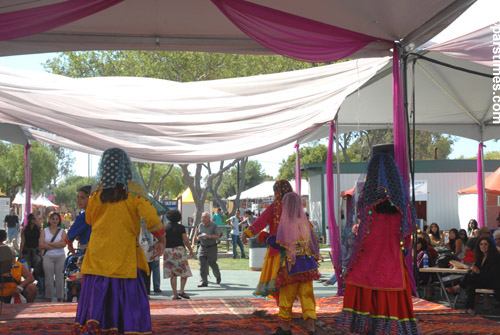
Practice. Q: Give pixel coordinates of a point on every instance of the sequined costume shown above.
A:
(377, 284)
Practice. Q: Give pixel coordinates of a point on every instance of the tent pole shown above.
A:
(27, 183)
(338, 212)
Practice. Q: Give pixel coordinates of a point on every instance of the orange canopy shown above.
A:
(491, 184)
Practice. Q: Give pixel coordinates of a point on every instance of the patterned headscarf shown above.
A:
(281, 187)
(295, 227)
(380, 182)
(116, 168)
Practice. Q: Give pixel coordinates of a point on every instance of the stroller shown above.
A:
(72, 276)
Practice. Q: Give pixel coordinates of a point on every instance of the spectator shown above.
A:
(74, 282)
(496, 236)
(52, 241)
(147, 244)
(483, 274)
(471, 227)
(30, 238)
(113, 298)
(456, 244)
(11, 224)
(424, 279)
(80, 229)
(217, 217)
(235, 224)
(249, 219)
(175, 258)
(433, 254)
(462, 233)
(207, 235)
(435, 235)
(14, 285)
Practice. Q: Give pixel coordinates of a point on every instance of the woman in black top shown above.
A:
(483, 274)
(30, 236)
(175, 258)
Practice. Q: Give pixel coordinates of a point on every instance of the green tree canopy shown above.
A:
(254, 175)
(312, 153)
(66, 191)
(44, 167)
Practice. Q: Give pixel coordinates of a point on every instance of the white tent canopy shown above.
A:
(265, 190)
(447, 100)
(198, 25)
(163, 121)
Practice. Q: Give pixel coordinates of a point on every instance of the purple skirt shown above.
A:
(112, 306)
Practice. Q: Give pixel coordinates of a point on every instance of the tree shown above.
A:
(313, 153)
(167, 181)
(254, 175)
(66, 191)
(492, 155)
(44, 167)
(194, 183)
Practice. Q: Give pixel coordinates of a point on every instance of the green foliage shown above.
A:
(492, 155)
(172, 65)
(254, 175)
(66, 191)
(44, 163)
(171, 186)
(313, 153)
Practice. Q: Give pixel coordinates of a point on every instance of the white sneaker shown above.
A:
(75, 299)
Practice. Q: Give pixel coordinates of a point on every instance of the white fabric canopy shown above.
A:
(265, 190)
(163, 121)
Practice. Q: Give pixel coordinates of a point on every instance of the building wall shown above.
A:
(442, 188)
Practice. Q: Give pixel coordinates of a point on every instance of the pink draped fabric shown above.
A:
(400, 147)
(39, 19)
(291, 35)
(333, 228)
(480, 187)
(298, 172)
(27, 183)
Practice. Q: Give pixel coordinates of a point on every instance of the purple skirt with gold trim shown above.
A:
(112, 306)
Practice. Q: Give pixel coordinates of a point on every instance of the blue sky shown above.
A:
(478, 16)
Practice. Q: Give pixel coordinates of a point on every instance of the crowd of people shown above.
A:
(120, 238)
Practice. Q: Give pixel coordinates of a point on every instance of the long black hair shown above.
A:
(492, 250)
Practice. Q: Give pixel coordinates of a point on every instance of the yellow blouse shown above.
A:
(114, 249)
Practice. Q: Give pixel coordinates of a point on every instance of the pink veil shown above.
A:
(294, 227)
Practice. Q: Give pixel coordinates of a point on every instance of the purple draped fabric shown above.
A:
(333, 228)
(480, 187)
(291, 35)
(27, 183)
(39, 19)
(298, 172)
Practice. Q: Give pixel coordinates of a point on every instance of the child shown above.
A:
(299, 253)
(80, 229)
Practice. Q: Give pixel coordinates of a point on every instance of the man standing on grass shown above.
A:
(207, 237)
(11, 224)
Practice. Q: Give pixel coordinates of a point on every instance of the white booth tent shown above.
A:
(265, 191)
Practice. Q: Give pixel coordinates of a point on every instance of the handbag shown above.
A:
(38, 271)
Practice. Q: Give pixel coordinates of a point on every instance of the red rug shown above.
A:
(238, 316)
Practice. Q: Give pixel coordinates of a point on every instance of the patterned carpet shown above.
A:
(225, 316)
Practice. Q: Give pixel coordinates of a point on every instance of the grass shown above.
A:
(227, 262)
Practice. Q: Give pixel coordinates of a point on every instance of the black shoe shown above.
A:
(219, 280)
(203, 285)
(280, 331)
(157, 290)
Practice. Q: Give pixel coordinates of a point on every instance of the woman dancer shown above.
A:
(271, 216)
(113, 297)
(377, 285)
(300, 253)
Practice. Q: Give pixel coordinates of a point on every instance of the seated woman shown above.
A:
(435, 235)
(483, 274)
(455, 244)
(462, 233)
(433, 254)
(471, 227)
(424, 279)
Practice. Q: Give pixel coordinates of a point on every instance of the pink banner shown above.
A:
(298, 172)
(333, 228)
(291, 35)
(27, 183)
(39, 19)
(480, 187)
